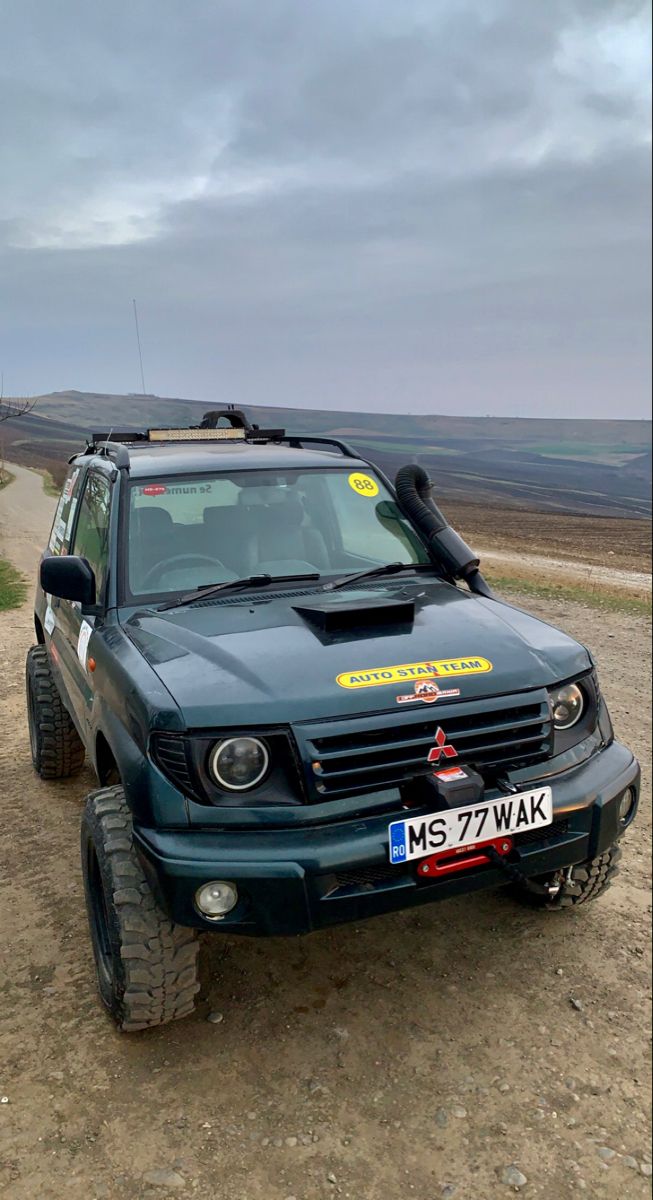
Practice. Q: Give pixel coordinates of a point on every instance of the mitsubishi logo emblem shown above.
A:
(441, 747)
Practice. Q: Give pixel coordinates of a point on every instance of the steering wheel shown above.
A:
(161, 567)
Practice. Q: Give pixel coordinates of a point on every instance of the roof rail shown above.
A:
(297, 441)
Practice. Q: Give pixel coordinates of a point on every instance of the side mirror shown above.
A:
(69, 578)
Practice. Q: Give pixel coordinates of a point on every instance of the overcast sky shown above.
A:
(407, 205)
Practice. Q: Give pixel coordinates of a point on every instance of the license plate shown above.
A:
(464, 827)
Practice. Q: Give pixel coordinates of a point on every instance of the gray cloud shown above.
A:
(432, 206)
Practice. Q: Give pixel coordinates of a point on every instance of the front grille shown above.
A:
(532, 836)
(366, 878)
(170, 753)
(369, 753)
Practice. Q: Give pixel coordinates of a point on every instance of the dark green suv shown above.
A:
(302, 702)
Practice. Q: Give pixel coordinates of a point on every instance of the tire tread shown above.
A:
(59, 748)
(157, 978)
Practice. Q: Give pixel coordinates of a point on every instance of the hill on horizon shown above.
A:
(578, 466)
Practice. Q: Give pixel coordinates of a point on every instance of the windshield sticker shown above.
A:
(84, 638)
(159, 489)
(443, 668)
(428, 692)
(363, 485)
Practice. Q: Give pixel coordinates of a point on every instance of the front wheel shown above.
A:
(580, 883)
(146, 965)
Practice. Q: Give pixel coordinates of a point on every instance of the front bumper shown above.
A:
(292, 881)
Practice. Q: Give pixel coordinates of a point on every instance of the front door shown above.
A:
(90, 541)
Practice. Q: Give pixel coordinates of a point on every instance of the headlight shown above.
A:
(627, 806)
(567, 705)
(239, 763)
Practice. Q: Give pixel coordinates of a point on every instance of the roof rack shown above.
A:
(217, 425)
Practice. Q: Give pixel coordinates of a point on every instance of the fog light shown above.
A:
(626, 806)
(216, 899)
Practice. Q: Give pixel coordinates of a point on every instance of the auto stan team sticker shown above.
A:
(427, 691)
(442, 668)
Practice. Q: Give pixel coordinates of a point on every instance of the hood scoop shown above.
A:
(377, 616)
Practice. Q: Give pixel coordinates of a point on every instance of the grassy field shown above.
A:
(5, 477)
(509, 586)
(13, 588)
(50, 486)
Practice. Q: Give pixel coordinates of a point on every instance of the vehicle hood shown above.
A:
(260, 661)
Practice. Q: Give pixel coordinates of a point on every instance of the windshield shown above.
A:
(190, 532)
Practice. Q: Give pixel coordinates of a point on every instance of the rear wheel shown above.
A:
(580, 883)
(146, 965)
(57, 749)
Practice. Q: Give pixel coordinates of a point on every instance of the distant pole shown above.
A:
(138, 343)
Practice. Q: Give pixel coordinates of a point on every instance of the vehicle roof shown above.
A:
(184, 458)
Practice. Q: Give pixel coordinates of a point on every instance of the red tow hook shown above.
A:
(448, 861)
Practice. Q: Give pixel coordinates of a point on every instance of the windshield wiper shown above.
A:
(386, 569)
(250, 581)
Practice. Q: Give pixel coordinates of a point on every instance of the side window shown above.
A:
(65, 514)
(92, 533)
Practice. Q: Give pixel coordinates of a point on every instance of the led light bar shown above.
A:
(197, 435)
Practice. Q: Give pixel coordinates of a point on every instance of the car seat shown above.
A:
(151, 542)
(228, 535)
(282, 538)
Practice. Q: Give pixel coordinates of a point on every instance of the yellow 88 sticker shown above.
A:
(363, 485)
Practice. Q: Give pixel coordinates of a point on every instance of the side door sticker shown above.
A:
(85, 632)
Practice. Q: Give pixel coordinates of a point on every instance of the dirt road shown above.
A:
(416, 1056)
(25, 518)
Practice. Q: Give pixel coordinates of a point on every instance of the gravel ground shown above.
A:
(475, 1049)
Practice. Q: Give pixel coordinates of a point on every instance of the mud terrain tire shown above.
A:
(146, 966)
(583, 882)
(57, 749)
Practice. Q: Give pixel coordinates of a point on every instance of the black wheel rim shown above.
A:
(99, 921)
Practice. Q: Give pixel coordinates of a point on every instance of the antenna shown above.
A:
(138, 343)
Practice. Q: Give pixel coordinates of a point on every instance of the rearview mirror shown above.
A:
(69, 578)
